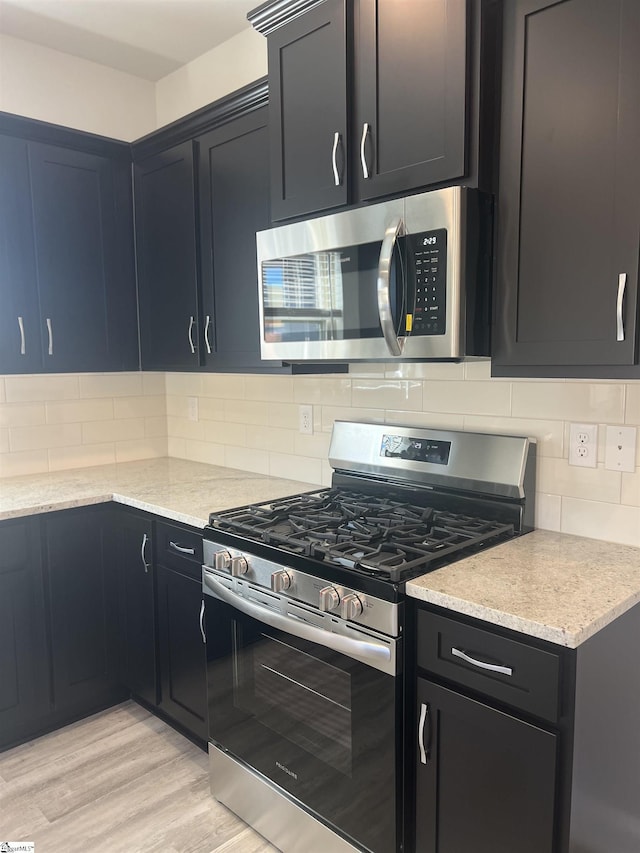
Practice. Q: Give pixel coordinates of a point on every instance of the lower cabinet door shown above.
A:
(24, 681)
(485, 781)
(183, 686)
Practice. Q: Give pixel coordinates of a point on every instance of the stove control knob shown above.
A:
(350, 606)
(222, 561)
(239, 566)
(329, 598)
(280, 581)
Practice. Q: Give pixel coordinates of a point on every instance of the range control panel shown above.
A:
(427, 262)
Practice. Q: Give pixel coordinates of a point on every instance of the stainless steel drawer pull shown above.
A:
(622, 284)
(207, 342)
(334, 162)
(181, 549)
(143, 552)
(204, 636)
(424, 751)
(50, 330)
(363, 155)
(191, 325)
(491, 667)
(23, 345)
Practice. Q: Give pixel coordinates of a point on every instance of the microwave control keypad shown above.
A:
(428, 255)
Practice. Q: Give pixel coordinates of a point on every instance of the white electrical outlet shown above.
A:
(305, 416)
(620, 448)
(583, 445)
(192, 408)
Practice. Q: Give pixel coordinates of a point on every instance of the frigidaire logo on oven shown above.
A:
(286, 770)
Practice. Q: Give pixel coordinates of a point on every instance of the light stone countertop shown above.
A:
(557, 587)
(173, 488)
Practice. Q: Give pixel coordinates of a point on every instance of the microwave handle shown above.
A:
(394, 230)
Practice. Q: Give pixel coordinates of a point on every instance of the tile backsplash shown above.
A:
(251, 422)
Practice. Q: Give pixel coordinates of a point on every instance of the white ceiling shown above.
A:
(148, 38)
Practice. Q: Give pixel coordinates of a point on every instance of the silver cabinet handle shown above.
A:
(143, 552)
(207, 342)
(334, 162)
(363, 156)
(394, 344)
(424, 752)
(190, 333)
(622, 284)
(181, 549)
(204, 636)
(23, 345)
(492, 667)
(50, 330)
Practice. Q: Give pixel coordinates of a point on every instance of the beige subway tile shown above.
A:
(405, 394)
(475, 398)
(283, 415)
(430, 420)
(204, 451)
(211, 408)
(150, 406)
(569, 401)
(221, 432)
(45, 436)
(375, 370)
(99, 432)
(184, 428)
(426, 370)
(247, 459)
(478, 369)
(315, 446)
(295, 468)
(330, 414)
(22, 414)
(154, 384)
(326, 472)
(177, 447)
(3, 396)
(548, 434)
(226, 386)
(632, 409)
(548, 511)
(245, 412)
(155, 427)
(326, 390)
(177, 406)
(83, 456)
(608, 521)
(269, 438)
(184, 384)
(4, 440)
(141, 448)
(276, 389)
(631, 488)
(77, 411)
(557, 477)
(25, 462)
(37, 388)
(110, 385)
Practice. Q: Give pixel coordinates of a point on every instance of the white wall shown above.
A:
(230, 66)
(46, 84)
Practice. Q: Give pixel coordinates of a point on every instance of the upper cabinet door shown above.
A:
(308, 102)
(569, 205)
(19, 315)
(165, 214)
(410, 94)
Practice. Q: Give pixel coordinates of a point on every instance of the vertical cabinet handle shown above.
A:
(363, 154)
(424, 718)
(23, 344)
(337, 179)
(204, 636)
(143, 553)
(207, 342)
(190, 334)
(50, 331)
(622, 284)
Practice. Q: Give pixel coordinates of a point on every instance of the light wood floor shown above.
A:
(121, 781)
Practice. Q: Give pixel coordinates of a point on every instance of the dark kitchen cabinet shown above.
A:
(68, 300)
(134, 540)
(24, 677)
(376, 98)
(569, 203)
(83, 610)
(166, 245)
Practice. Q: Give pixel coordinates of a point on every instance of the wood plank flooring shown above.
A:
(121, 781)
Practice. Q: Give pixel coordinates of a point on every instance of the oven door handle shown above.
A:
(371, 651)
(385, 312)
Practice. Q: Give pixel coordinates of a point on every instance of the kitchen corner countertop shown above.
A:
(554, 586)
(176, 489)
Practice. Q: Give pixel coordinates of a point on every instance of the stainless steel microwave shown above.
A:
(405, 279)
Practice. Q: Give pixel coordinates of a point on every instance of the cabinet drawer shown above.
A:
(507, 670)
(179, 548)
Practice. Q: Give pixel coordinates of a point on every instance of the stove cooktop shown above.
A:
(364, 533)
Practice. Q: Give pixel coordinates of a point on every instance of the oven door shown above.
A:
(317, 723)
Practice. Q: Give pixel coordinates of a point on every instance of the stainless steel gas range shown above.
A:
(304, 609)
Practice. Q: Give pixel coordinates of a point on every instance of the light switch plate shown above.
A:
(192, 408)
(620, 448)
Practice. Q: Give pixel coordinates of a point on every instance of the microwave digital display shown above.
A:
(416, 449)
